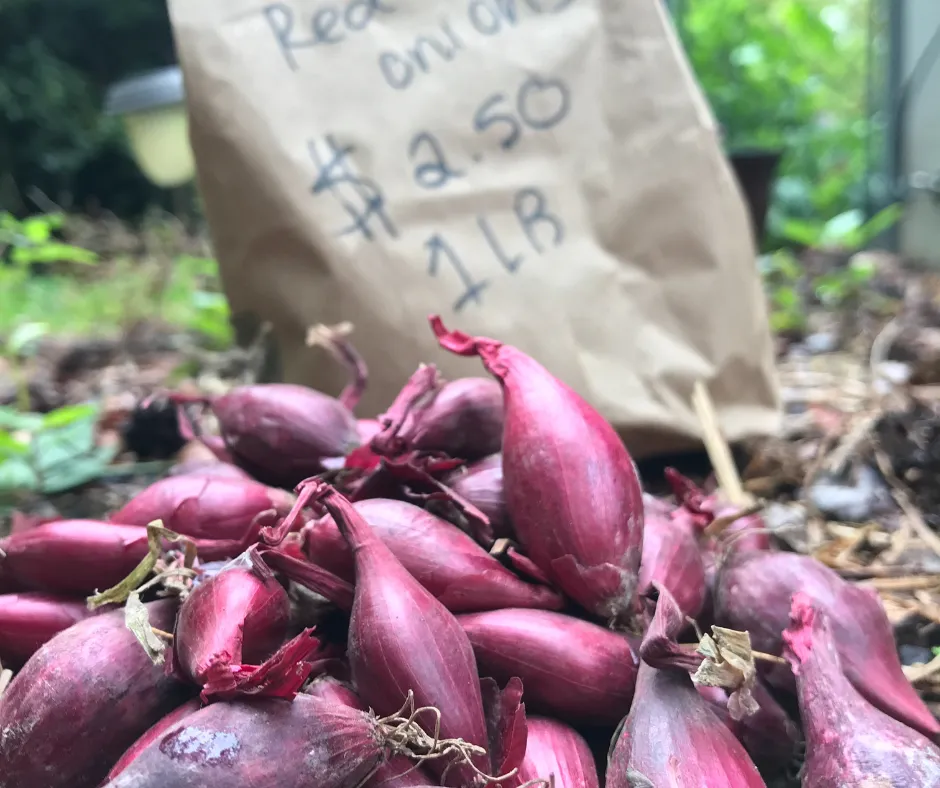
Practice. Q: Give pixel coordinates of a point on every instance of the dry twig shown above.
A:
(902, 498)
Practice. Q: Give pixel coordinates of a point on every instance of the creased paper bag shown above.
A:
(544, 172)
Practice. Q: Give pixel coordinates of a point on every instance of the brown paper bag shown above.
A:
(545, 172)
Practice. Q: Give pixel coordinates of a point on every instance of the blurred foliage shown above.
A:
(31, 240)
(49, 453)
(100, 296)
(790, 75)
(56, 62)
(790, 289)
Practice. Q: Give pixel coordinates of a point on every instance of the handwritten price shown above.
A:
(540, 104)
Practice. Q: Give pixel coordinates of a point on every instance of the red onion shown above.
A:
(209, 469)
(401, 639)
(447, 562)
(398, 772)
(154, 733)
(462, 418)
(204, 507)
(30, 619)
(672, 558)
(81, 701)
(699, 510)
(653, 505)
(80, 556)
(232, 623)
(481, 483)
(26, 522)
(769, 735)
(753, 593)
(213, 444)
(850, 744)
(672, 736)
(280, 432)
(311, 576)
(368, 429)
(264, 742)
(331, 689)
(556, 751)
(570, 669)
(572, 489)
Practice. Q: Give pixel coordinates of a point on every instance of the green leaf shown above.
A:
(77, 471)
(66, 456)
(803, 232)
(62, 417)
(885, 219)
(786, 297)
(789, 265)
(37, 229)
(781, 321)
(11, 447)
(8, 224)
(22, 256)
(861, 269)
(55, 252)
(16, 475)
(842, 231)
(13, 419)
(25, 337)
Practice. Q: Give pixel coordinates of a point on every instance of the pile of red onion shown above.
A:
(469, 589)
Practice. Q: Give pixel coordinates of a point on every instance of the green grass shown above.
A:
(103, 299)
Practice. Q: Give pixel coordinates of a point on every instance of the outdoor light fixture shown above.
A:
(152, 107)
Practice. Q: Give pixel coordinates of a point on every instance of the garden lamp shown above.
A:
(153, 110)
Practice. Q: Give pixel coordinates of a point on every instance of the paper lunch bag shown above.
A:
(544, 172)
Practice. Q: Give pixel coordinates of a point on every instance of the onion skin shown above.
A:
(572, 489)
(753, 593)
(672, 558)
(235, 616)
(401, 640)
(554, 749)
(481, 483)
(81, 701)
(80, 556)
(850, 744)
(233, 622)
(204, 507)
(571, 669)
(30, 619)
(445, 560)
(154, 733)
(245, 744)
